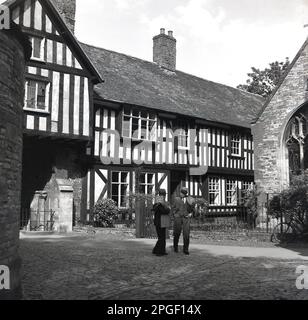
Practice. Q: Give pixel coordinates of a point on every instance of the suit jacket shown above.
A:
(181, 209)
(161, 214)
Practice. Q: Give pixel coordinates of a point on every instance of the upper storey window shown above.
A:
(236, 144)
(139, 125)
(38, 48)
(37, 95)
(183, 136)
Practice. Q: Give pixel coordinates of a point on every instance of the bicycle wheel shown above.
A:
(283, 232)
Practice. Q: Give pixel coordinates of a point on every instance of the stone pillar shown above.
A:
(14, 50)
(65, 213)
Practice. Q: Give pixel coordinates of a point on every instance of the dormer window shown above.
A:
(38, 48)
(37, 93)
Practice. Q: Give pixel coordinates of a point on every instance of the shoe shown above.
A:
(186, 252)
(176, 250)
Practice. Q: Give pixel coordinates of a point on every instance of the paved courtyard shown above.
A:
(100, 266)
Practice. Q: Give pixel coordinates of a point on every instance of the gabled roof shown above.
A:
(66, 34)
(281, 81)
(138, 82)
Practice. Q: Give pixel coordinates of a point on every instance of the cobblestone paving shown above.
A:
(103, 267)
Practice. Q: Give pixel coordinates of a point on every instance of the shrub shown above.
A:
(201, 208)
(105, 212)
(292, 202)
(250, 202)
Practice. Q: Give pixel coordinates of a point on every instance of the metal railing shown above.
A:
(34, 220)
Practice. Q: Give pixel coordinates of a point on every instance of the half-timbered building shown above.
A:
(58, 105)
(147, 126)
(157, 127)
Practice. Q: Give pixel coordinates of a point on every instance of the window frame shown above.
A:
(236, 139)
(37, 82)
(42, 48)
(119, 184)
(146, 183)
(231, 193)
(183, 134)
(214, 187)
(148, 119)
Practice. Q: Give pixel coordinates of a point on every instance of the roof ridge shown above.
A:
(183, 72)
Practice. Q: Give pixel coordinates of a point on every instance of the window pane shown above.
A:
(135, 127)
(115, 199)
(41, 96)
(31, 94)
(150, 178)
(126, 127)
(150, 189)
(37, 42)
(142, 178)
(144, 114)
(127, 110)
(115, 176)
(135, 113)
(115, 189)
(123, 202)
(124, 176)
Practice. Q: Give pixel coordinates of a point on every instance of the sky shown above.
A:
(219, 40)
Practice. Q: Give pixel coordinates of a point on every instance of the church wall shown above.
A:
(271, 158)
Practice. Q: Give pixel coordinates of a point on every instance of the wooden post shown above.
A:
(140, 209)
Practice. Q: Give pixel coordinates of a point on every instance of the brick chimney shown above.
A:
(164, 50)
(67, 9)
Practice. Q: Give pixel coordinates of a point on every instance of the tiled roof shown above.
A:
(138, 82)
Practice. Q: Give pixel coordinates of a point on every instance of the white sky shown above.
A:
(218, 40)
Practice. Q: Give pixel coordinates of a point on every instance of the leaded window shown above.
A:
(139, 125)
(214, 191)
(120, 188)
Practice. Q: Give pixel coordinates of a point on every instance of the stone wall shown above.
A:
(12, 65)
(271, 157)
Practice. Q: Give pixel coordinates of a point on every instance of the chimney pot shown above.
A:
(162, 31)
(170, 34)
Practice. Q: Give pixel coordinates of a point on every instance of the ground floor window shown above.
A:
(120, 188)
(147, 183)
(214, 191)
(227, 192)
(231, 192)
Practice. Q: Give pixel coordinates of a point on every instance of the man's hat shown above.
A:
(184, 191)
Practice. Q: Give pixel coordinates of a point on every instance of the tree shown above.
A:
(263, 82)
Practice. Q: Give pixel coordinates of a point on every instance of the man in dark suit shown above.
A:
(161, 210)
(182, 212)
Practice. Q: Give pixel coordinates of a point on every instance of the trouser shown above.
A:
(160, 247)
(179, 224)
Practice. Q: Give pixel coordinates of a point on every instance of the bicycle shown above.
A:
(293, 229)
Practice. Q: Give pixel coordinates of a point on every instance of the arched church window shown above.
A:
(295, 140)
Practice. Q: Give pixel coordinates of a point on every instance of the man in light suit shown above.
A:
(182, 212)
